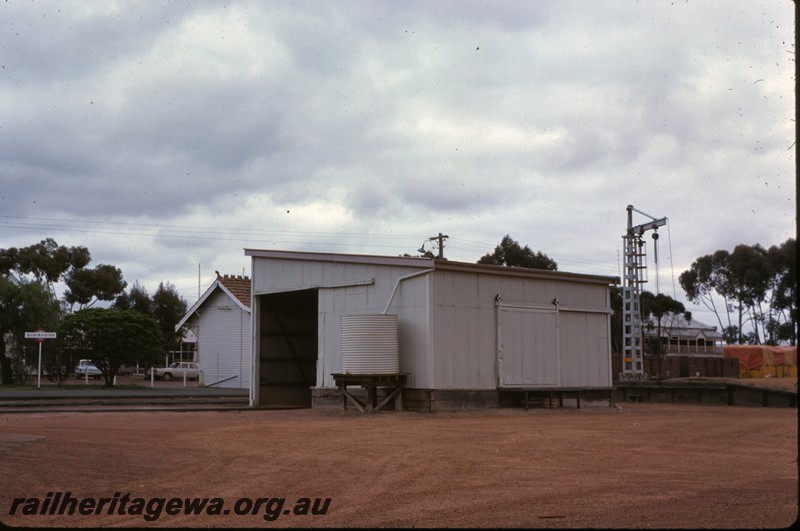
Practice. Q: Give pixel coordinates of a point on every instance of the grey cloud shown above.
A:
(539, 119)
(57, 42)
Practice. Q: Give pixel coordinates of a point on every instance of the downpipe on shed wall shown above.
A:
(397, 285)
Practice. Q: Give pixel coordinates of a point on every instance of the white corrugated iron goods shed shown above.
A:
(466, 329)
(222, 324)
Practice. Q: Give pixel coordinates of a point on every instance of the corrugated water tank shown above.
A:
(369, 344)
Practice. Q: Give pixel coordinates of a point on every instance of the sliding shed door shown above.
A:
(528, 349)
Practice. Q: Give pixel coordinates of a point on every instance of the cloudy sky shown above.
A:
(170, 135)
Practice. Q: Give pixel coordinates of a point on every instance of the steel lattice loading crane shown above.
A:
(632, 280)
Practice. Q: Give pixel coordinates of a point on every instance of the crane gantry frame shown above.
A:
(632, 280)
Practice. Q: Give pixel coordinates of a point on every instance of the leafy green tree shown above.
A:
(704, 279)
(657, 307)
(112, 338)
(46, 261)
(56, 362)
(165, 306)
(49, 263)
(732, 335)
(749, 281)
(168, 309)
(87, 286)
(511, 254)
(25, 305)
(745, 280)
(782, 319)
(136, 298)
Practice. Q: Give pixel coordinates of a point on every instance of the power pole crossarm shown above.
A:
(440, 239)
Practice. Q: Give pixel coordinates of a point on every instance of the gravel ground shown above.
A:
(631, 466)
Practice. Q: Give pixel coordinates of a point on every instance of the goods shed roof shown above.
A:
(433, 264)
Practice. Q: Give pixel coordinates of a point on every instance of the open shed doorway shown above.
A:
(287, 348)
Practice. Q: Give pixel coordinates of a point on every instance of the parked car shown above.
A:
(86, 366)
(50, 372)
(176, 370)
(125, 370)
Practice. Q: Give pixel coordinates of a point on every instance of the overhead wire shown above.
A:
(179, 229)
(209, 233)
(266, 236)
(671, 265)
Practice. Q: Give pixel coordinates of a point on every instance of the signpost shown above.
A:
(40, 336)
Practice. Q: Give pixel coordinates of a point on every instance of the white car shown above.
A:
(85, 367)
(177, 370)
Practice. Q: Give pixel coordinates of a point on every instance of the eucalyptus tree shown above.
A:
(48, 263)
(25, 305)
(782, 319)
(28, 300)
(136, 298)
(658, 306)
(749, 286)
(511, 254)
(166, 306)
(168, 309)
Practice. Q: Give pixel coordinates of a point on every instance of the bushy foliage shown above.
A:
(510, 253)
(111, 338)
(748, 287)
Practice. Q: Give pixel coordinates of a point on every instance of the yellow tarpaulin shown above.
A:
(760, 361)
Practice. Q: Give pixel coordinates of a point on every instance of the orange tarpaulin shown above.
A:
(756, 356)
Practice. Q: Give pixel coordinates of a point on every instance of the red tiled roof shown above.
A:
(238, 285)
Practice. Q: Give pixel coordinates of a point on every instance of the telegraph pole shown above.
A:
(440, 239)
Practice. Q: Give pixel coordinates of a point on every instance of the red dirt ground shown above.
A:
(631, 466)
